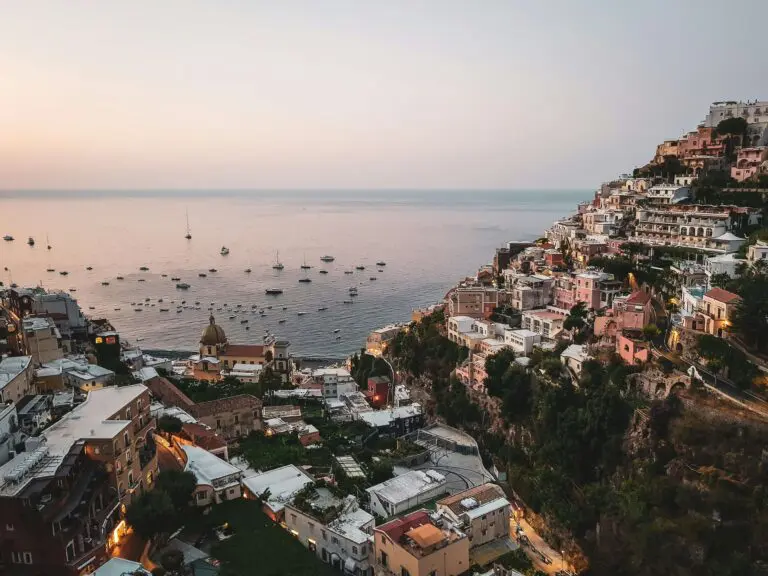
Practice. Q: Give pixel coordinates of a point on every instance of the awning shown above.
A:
(350, 565)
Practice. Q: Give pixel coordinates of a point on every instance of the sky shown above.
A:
(332, 94)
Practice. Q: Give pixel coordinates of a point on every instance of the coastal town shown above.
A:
(585, 402)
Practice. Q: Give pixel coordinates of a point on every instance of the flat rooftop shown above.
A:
(91, 418)
(11, 367)
(408, 485)
(382, 418)
(207, 467)
(283, 483)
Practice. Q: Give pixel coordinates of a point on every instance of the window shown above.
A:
(125, 438)
(384, 558)
(293, 518)
(404, 571)
(311, 527)
(334, 540)
(128, 414)
(71, 551)
(231, 490)
(354, 549)
(10, 527)
(218, 423)
(130, 478)
(237, 419)
(325, 535)
(201, 496)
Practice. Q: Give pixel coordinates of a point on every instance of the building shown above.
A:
(666, 148)
(43, 338)
(34, 413)
(16, 378)
(602, 222)
(482, 513)
(217, 479)
(73, 372)
(334, 381)
(754, 112)
(202, 437)
(546, 323)
(668, 193)
(231, 417)
(216, 354)
(473, 301)
(306, 433)
(286, 412)
(406, 491)
(61, 498)
(378, 391)
(757, 251)
(704, 141)
(529, 292)
(521, 341)
(9, 432)
(574, 357)
(246, 373)
(63, 310)
(718, 306)
(749, 163)
(276, 487)
(632, 347)
(378, 340)
(727, 264)
(164, 391)
(596, 289)
(416, 545)
(337, 530)
(471, 333)
(634, 311)
(121, 567)
(564, 292)
(395, 422)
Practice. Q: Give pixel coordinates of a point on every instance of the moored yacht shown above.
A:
(224, 251)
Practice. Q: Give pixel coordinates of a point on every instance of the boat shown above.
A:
(269, 307)
(273, 291)
(117, 309)
(243, 321)
(277, 265)
(231, 317)
(31, 241)
(338, 337)
(105, 283)
(50, 270)
(281, 321)
(305, 280)
(300, 313)
(353, 293)
(174, 279)
(353, 290)
(224, 251)
(178, 311)
(163, 275)
(89, 267)
(142, 280)
(372, 278)
(196, 303)
(120, 278)
(380, 270)
(247, 270)
(349, 301)
(337, 330)
(163, 309)
(182, 286)
(305, 266)
(14, 285)
(327, 258)
(91, 307)
(323, 271)
(212, 270)
(361, 267)
(8, 238)
(138, 309)
(381, 263)
(348, 272)
(47, 242)
(73, 289)
(147, 299)
(160, 300)
(203, 275)
(322, 309)
(188, 236)
(63, 272)
(285, 307)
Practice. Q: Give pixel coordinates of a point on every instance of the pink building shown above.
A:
(632, 348)
(748, 162)
(596, 289)
(635, 311)
(564, 293)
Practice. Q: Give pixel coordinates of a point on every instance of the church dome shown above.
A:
(213, 334)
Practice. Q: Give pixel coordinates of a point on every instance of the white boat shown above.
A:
(277, 265)
(327, 258)
(224, 251)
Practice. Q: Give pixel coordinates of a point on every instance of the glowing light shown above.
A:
(118, 532)
(99, 340)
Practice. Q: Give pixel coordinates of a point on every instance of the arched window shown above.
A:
(684, 231)
(709, 232)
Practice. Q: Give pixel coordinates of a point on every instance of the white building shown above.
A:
(574, 357)
(345, 542)
(334, 381)
(757, 251)
(668, 193)
(470, 333)
(248, 373)
(217, 479)
(754, 112)
(63, 309)
(722, 264)
(43, 338)
(482, 513)
(121, 567)
(9, 425)
(16, 378)
(546, 323)
(406, 491)
(521, 341)
(379, 338)
(282, 484)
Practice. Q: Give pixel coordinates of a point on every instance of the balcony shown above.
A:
(138, 430)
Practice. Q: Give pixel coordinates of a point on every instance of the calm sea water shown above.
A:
(428, 240)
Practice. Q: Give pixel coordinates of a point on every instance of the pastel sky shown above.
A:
(360, 93)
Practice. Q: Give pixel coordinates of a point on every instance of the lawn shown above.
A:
(259, 547)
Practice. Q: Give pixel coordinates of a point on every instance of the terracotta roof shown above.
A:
(203, 436)
(426, 535)
(639, 297)
(396, 528)
(480, 494)
(225, 405)
(722, 295)
(243, 350)
(167, 393)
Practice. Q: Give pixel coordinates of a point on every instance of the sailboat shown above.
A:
(188, 235)
(47, 242)
(305, 266)
(277, 265)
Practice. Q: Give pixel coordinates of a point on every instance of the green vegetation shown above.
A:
(157, 511)
(365, 366)
(727, 361)
(577, 317)
(204, 391)
(169, 424)
(258, 547)
(267, 452)
(750, 318)
(732, 126)
(518, 560)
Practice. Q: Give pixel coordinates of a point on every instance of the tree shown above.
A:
(495, 367)
(380, 471)
(750, 318)
(721, 280)
(650, 331)
(169, 424)
(172, 561)
(576, 318)
(178, 485)
(269, 380)
(151, 514)
(734, 126)
(268, 356)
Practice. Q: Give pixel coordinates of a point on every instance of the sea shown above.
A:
(428, 239)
